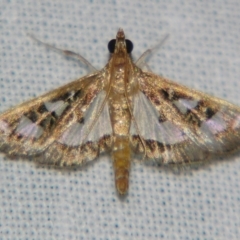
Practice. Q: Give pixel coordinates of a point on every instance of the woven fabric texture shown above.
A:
(203, 52)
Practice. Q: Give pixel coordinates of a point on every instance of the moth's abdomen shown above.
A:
(121, 163)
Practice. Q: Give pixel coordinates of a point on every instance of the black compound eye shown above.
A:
(111, 45)
(129, 46)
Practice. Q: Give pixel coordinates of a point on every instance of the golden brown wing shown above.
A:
(181, 125)
(52, 127)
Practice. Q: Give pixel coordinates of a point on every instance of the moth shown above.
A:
(125, 112)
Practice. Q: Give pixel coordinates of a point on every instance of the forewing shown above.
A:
(181, 125)
(82, 135)
(34, 128)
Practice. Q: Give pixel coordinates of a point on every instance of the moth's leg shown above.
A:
(66, 53)
(141, 62)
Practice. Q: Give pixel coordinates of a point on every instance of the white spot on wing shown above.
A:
(211, 127)
(236, 122)
(184, 104)
(150, 128)
(4, 127)
(73, 135)
(58, 107)
(215, 125)
(102, 126)
(29, 129)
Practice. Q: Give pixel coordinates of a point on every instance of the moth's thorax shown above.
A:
(123, 86)
(122, 74)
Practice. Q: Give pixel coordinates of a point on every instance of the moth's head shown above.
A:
(120, 44)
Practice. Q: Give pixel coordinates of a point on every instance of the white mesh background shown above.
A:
(203, 52)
